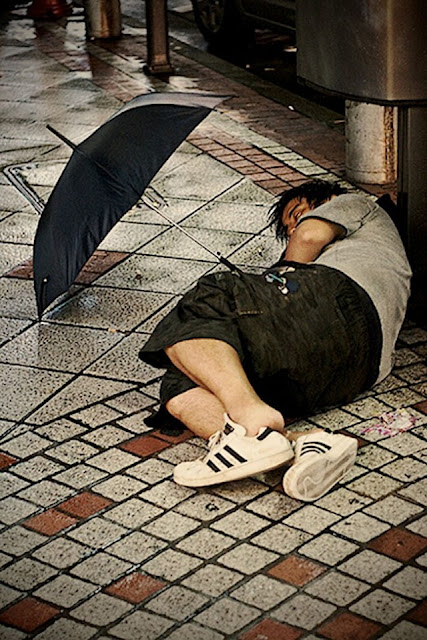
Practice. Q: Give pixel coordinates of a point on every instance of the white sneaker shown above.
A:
(233, 455)
(321, 460)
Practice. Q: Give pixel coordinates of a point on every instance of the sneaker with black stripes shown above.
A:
(233, 455)
(321, 460)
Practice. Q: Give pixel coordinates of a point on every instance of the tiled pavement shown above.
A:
(96, 540)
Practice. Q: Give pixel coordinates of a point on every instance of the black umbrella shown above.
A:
(105, 176)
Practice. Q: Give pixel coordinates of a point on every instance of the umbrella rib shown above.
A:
(77, 149)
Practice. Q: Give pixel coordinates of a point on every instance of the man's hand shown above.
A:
(310, 237)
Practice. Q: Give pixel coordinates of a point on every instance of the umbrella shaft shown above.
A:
(217, 254)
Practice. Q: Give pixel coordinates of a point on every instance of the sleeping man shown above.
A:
(245, 353)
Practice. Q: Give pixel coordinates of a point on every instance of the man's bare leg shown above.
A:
(215, 366)
(199, 410)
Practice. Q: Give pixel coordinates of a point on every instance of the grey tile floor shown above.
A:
(95, 538)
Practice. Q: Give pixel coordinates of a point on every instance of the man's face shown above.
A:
(293, 212)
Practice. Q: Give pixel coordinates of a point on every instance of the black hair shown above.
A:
(316, 192)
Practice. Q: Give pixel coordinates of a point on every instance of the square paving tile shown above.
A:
(240, 524)
(281, 538)
(311, 519)
(26, 574)
(64, 628)
(8, 595)
(296, 570)
(120, 487)
(227, 615)
(101, 568)
(369, 566)
(122, 362)
(399, 544)
(83, 391)
(37, 468)
(342, 501)
(98, 532)
(84, 504)
(382, 606)
(405, 629)
(10, 327)
(137, 547)
(401, 470)
(247, 558)
(144, 445)
(24, 389)
(101, 610)
(393, 510)
(144, 274)
(337, 588)
(62, 552)
(328, 548)
(131, 626)
(50, 522)
(25, 445)
(130, 236)
(190, 181)
(61, 348)
(348, 625)
(236, 216)
(177, 602)
(274, 505)
(175, 244)
(303, 611)
(65, 591)
(409, 582)
(360, 527)
(205, 543)
(271, 630)
(106, 308)
(135, 587)
(97, 414)
(46, 493)
(374, 485)
(171, 526)
(29, 614)
(212, 580)
(134, 513)
(263, 592)
(13, 510)
(17, 299)
(192, 630)
(205, 507)
(171, 565)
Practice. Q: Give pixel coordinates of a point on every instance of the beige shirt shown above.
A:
(372, 254)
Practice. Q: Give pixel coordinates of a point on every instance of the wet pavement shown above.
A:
(96, 540)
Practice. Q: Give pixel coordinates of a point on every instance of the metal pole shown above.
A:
(103, 19)
(412, 200)
(157, 38)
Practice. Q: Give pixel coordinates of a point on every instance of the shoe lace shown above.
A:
(214, 439)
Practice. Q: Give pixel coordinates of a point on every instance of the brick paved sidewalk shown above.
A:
(96, 541)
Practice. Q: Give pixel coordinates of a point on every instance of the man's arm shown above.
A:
(309, 239)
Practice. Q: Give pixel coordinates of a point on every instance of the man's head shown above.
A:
(292, 204)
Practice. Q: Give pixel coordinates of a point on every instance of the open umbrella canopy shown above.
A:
(105, 176)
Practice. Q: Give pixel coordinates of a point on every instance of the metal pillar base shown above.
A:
(157, 39)
(371, 145)
(412, 200)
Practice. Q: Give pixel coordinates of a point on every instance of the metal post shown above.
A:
(370, 142)
(157, 38)
(412, 200)
(103, 19)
